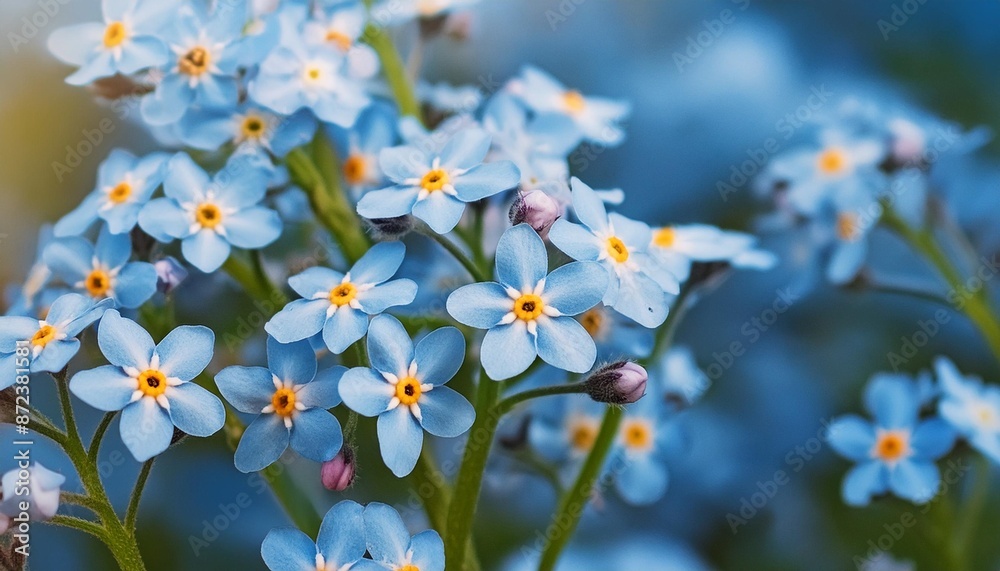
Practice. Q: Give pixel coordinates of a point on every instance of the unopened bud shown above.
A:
(391, 228)
(623, 382)
(909, 143)
(169, 274)
(338, 474)
(537, 209)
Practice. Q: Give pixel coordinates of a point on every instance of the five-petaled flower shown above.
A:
(340, 545)
(971, 407)
(391, 546)
(405, 389)
(292, 401)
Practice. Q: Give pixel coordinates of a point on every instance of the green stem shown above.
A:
(393, 68)
(470, 266)
(133, 503)
(80, 524)
(274, 293)
(50, 432)
(80, 500)
(505, 406)
(432, 488)
(95, 442)
(245, 275)
(462, 511)
(973, 507)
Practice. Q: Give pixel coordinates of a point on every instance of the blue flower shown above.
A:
(210, 216)
(102, 270)
(250, 129)
(435, 187)
(564, 430)
(616, 335)
(405, 390)
(678, 378)
(639, 285)
(339, 304)
(40, 489)
(896, 453)
(391, 546)
(360, 146)
(538, 146)
(528, 311)
(124, 184)
(340, 545)
(676, 247)
(339, 28)
(202, 67)
(394, 12)
(644, 438)
(125, 42)
(28, 298)
(596, 118)
(972, 408)
(292, 401)
(51, 341)
(151, 385)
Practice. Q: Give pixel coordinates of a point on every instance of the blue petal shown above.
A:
(466, 149)
(185, 181)
(389, 345)
(323, 391)
(388, 202)
(481, 305)
(864, 481)
(400, 439)
(576, 287)
(135, 284)
(164, 219)
(445, 413)
(295, 362)
(428, 551)
(75, 44)
(439, 355)
(852, 437)
(186, 351)
(565, 344)
(298, 320)
(486, 180)
(343, 328)
(105, 388)
(196, 411)
(262, 443)
(248, 389)
(241, 184)
(168, 103)
(146, 429)
(388, 540)
(588, 206)
(253, 228)
(508, 350)
(206, 250)
(933, 439)
(384, 296)
(637, 235)
(892, 400)
(440, 211)
(401, 163)
(288, 549)
(914, 481)
(113, 250)
(79, 219)
(521, 258)
(379, 263)
(315, 280)
(67, 309)
(69, 258)
(142, 52)
(365, 391)
(846, 261)
(55, 356)
(575, 241)
(643, 481)
(124, 342)
(641, 299)
(316, 435)
(13, 329)
(341, 540)
(658, 272)
(121, 219)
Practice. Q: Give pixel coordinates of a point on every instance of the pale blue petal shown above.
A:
(341, 540)
(576, 287)
(634, 233)
(508, 350)
(79, 219)
(364, 391)
(186, 351)
(445, 413)
(262, 443)
(846, 261)
(164, 219)
(389, 345)
(316, 435)
(343, 328)
(384, 296)
(185, 181)
(641, 299)
(643, 480)
(466, 149)
(914, 481)
(400, 440)
(379, 263)
(852, 437)
(428, 551)
(892, 400)
(241, 183)
(74, 44)
(298, 320)
(440, 211)
(323, 391)
(933, 439)
(55, 356)
(105, 388)
(864, 481)
(135, 284)
(480, 305)
(575, 241)
(196, 411)
(123, 342)
(146, 429)
(521, 259)
(439, 355)
(206, 250)
(14, 328)
(315, 280)
(71, 259)
(388, 539)
(388, 202)
(248, 389)
(588, 206)
(565, 344)
(401, 163)
(253, 228)
(142, 52)
(288, 549)
(486, 180)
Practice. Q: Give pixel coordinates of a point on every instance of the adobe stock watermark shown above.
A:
(711, 31)
(752, 330)
(898, 17)
(28, 27)
(561, 12)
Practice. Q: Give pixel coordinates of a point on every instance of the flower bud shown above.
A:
(909, 142)
(338, 474)
(169, 273)
(536, 208)
(391, 228)
(623, 382)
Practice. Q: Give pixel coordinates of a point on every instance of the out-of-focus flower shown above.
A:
(564, 430)
(150, 384)
(676, 247)
(537, 145)
(435, 187)
(40, 489)
(972, 408)
(450, 99)
(392, 548)
(25, 299)
(394, 12)
(103, 270)
(536, 209)
(641, 446)
(359, 147)
(678, 380)
(337, 474)
(210, 216)
(339, 304)
(639, 285)
(623, 382)
(528, 310)
(405, 389)
(896, 452)
(615, 334)
(339, 28)
(51, 341)
(124, 184)
(340, 544)
(169, 274)
(291, 399)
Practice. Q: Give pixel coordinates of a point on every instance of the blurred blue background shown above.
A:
(691, 123)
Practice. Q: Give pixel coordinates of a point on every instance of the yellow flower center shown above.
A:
(252, 127)
(408, 390)
(638, 435)
(98, 283)
(339, 39)
(114, 35)
(848, 228)
(43, 336)
(665, 237)
(593, 322)
(120, 192)
(152, 383)
(435, 180)
(343, 294)
(892, 445)
(195, 62)
(408, 568)
(617, 250)
(832, 161)
(208, 215)
(312, 74)
(528, 307)
(354, 169)
(574, 101)
(986, 415)
(582, 435)
(283, 401)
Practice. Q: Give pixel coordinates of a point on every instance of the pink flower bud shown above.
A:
(169, 273)
(623, 382)
(338, 474)
(537, 209)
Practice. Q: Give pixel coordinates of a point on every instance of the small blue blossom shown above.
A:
(676, 247)
(340, 545)
(102, 270)
(339, 27)
(395, 12)
(639, 285)
(125, 42)
(678, 380)
(51, 341)
(435, 187)
(391, 546)
(151, 384)
(338, 305)
(615, 335)
(971, 407)
(360, 145)
(564, 430)
(40, 490)
(538, 146)
(405, 390)
(27, 298)
(641, 450)
(292, 401)
(210, 216)
(896, 452)
(450, 99)
(248, 128)
(124, 184)
(527, 311)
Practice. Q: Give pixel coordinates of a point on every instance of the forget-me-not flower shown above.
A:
(527, 311)
(971, 407)
(676, 247)
(338, 305)
(639, 285)
(151, 384)
(339, 27)
(40, 490)
(391, 546)
(896, 452)
(435, 187)
(124, 184)
(359, 146)
(405, 389)
(643, 440)
(248, 128)
(210, 216)
(538, 146)
(402, 11)
(340, 545)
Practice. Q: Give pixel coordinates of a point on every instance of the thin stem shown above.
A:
(505, 406)
(50, 432)
(80, 524)
(393, 66)
(973, 507)
(435, 495)
(66, 404)
(81, 500)
(95, 442)
(133, 503)
(457, 253)
(906, 291)
(244, 275)
(274, 292)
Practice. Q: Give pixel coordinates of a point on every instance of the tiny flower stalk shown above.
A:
(393, 67)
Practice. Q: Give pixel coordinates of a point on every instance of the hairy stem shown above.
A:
(505, 406)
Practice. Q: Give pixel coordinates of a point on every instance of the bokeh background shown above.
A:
(691, 124)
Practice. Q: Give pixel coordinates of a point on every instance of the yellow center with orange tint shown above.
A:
(343, 294)
(208, 215)
(408, 390)
(574, 101)
(832, 161)
(339, 39)
(98, 283)
(195, 62)
(848, 228)
(435, 180)
(45, 335)
(582, 436)
(252, 127)
(152, 383)
(312, 74)
(892, 445)
(120, 192)
(665, 237)
(593, 321)
(617, 249)
(283, 401)
(354, 169)
(114, 35)
(528, 307)
(637, 435)
(408, 568)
